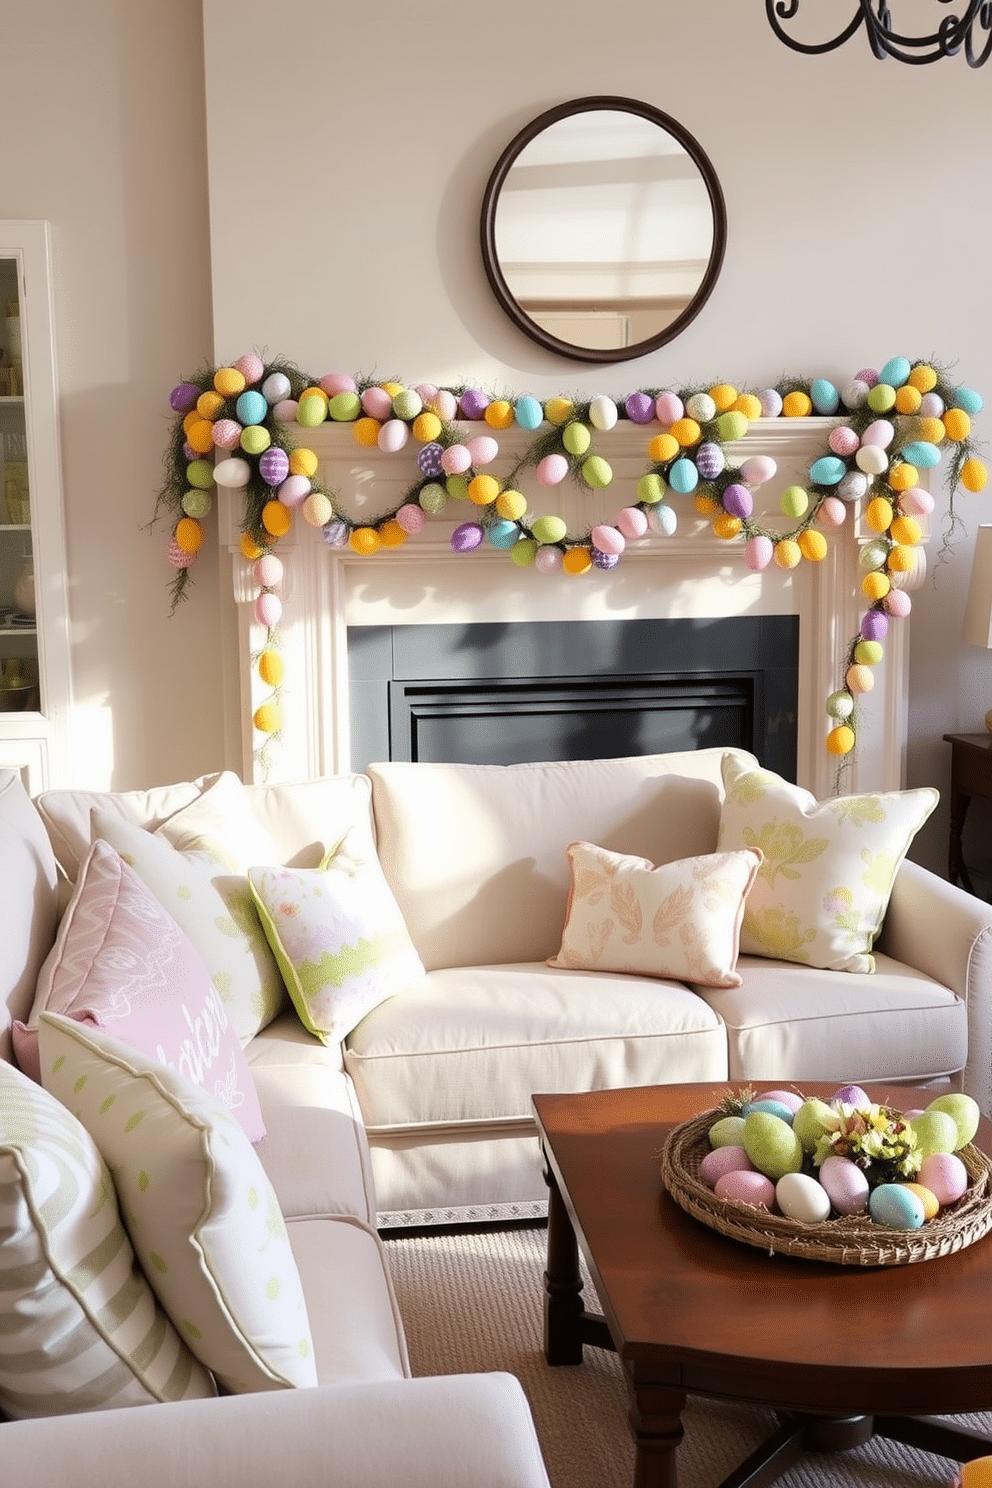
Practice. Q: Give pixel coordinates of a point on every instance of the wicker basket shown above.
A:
(851, 1240)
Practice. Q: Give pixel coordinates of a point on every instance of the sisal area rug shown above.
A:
(471, 1301)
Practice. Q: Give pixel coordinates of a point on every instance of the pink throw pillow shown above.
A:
(123, 964)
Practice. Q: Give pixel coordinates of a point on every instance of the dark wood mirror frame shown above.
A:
(490, 203)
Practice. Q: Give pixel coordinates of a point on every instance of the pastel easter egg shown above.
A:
(787, 553)
(880, 432)
(472, 403)
(511, 504)
(921, 453)
(664, 519)
(828, 470)
(772, 1145)
(411, 517)
(868, 653)
(455, 460)
(503, 534)
(871, 459)
(226, 434)
(268, 609)
(549, 529)
(200, 473)
(801, 1198)
(639, 407)
(467, 537)
(896, 1207)
(881, 398)
(895, 371)
(377, 403)
(407, 404)
(631, 522)
(345, 407)
(392, 436)
(727, 1131)
(701, 407)
(552, 470)
(183, 397)
(251, 407)
(758, 552)
(335, 534)
(275, 388)
(444, 404)
(597, 472)
(791, 1099)
(294, 490)
(651, 488)
(967, 399)
(255, 439)
(311, 411)
(603, 413)
(668, 408)
(859, 679)
(683, 476)
(483, 449)
(769, 1104)
(338, 382)
(771, 402)
(874, 626)
(429, 459)
(232, 473)
(839, 705)
(794, 502)
(548, 560)
(604, 560)
(738, 501)
(853, 487)
(843, 440)
(197, 503)
(932, 405)
(268, 571)
(743, 1187)
(433, 499)
(845, 1184)
(867, 375)
(273, 466)
(916, 502)
(854, 393)
(498, 414)
(710, 460)
(898, 603)
(944, 1174)
(731, 426)
(576, 438)
(608, 539)
(525, 552)
(758, 469)
(831, 512)
(720, 1160)
(824, 396)
(285, 411)
(317, 509)
(528, 413)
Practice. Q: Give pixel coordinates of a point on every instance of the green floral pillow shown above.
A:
(828, 866)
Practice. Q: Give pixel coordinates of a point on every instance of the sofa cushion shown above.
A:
(681, 920)
(475, 854)
(823, 888)
(202, 1215)
(804, 1023)
(337, 935)
(28, 903)
(472, 1044)
(66, 814)
(122, 963)
(81, 1328)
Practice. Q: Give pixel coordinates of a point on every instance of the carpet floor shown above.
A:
(471, 1301)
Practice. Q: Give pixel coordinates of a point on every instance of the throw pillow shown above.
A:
(202, 1215)
(338, 936)
(824, 885)
(680, 920)
(121, 962)
(212, 904)
(81, 1329)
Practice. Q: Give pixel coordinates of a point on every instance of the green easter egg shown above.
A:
(524, 552)
(813, 1118)
(868, 653)
(597, 471)
(433, 499)
(727, 1132)
(576, 438)
(731, 426)
(407, 404)
(343, 408)
(936, 1131)
(200, 473)
(549, 529)
(457, 487)
(963, 1110)
(881, 397)
(651, 489)
(772, 1145)
(256, 438)
(794, 502)
(311, 411)
(197, 503)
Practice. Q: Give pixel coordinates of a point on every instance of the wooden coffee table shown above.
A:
(842, 1352)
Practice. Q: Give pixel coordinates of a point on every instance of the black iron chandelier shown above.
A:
(970, 32)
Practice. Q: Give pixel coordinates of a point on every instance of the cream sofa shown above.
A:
(440, 1078)
(365, 1421)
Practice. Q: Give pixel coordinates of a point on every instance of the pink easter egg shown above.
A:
(268, 609)
(268, 571)
(483, 449)
(758, 552)
(548, 559)
(392, 436)
(551, 470)
(867, 375)
(444, 404)
(251, 367)
(411, 517)
(916, 502)
(631, 522)
(880, 433)
(285, 410)
(338, 382)
(788, 1098)
(931, 406)
(898, 603)
(455, 460)
(639, 407)
(226, 434)
(668, 408)
(757, 469)
(724, 1160)
(843, 440)
(608, 539)
(832, 511)
(294, 491)
(425, 391)
(945, 1175)
(743, 1187)
(178, 557)
(273, 465)
(377, 403)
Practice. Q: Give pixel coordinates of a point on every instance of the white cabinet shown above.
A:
(35, 691)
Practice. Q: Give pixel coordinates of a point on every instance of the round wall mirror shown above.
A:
(603, 229)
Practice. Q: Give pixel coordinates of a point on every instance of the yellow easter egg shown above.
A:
(200, 436)
(900, 560)
(426, 427)
(365, 540)
(724, 396)
(974, 475)
(726, 526)
(840, 740)
(250, 549)
(686, 431)
(930, 429)
(498, 414)
(303, 462)
(209, 405)
(706, 506)
(902, 475)
(908, 399)
(922, 377)
(879, 514)
(317, 509)
(483, 489)
(859, 678)
(906, 531)
(787, 553)
(876, 585)
(270, 667)
(392, 534)
(276, 518)
(511, 505)
(365, 432)
(957, 424)
(229, 381)
(663, 447)
(813, 545)
(189, 419)
(929, 1200)
(557, 410)
(268, 718)
(189, 534)
(392, 388)
(577, 561)
(748, 405)
(796, 404)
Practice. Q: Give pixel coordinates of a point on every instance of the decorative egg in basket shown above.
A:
(845, 1179)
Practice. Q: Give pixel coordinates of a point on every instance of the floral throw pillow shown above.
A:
(338, 935)
(828, 866)
(679, 920)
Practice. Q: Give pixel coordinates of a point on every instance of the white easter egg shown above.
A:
(757, 469)
(800, 1197)
(603, 412)
(871, 459)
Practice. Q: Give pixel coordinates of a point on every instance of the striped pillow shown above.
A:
(80, 1328)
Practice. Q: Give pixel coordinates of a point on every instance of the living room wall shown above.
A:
(347, 154)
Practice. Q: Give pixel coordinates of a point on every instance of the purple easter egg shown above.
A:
(273, 466)
(604, 560)
(473, 403)
(738, 501)
(466, 537)
(874, 626)
(639, 407)
(184, 397)
(710, 460)
(335, 533)
(429, 459)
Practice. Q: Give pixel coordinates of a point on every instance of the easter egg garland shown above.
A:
(234, 427)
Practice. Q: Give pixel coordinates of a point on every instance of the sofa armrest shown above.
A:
(945, 933)
(453, 1431)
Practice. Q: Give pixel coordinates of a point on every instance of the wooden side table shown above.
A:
(971, 775)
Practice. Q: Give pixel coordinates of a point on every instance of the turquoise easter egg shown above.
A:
(896, 1207)
(922, 454)
(683, 476)
(771, 1108)
(528, 413)
(967, 399)
(251, 408)
(824, 396)
(895, 371)
(503, 534)
(828, 470)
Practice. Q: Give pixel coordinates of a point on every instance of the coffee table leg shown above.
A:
(655, 1418)
(563, 1308)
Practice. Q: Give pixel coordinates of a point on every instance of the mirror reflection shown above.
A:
(603, 229)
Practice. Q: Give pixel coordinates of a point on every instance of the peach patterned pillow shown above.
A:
(678, 920)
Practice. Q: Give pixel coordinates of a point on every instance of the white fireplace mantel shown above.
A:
(691, 574)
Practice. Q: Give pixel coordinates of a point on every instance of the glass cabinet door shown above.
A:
(34, 659)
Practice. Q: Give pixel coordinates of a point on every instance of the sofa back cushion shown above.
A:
(476, 855)
(28, 903)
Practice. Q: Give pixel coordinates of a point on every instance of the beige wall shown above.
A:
(348, 151)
